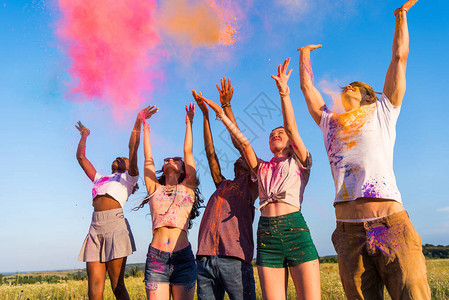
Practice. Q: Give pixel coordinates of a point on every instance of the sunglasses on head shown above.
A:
(177, 158)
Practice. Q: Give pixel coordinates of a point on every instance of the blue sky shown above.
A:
(46, 198)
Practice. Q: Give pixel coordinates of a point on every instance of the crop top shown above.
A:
(283, 180)
(117, 185)
(170, 206)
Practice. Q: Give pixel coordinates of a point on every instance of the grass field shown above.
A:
(438, 276)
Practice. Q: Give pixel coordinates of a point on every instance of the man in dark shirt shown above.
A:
(225, 240)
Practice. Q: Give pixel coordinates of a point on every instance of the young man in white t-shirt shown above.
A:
(374, 239)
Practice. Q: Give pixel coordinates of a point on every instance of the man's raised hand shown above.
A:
(199, 100)
(226, 92)
(406, 6)
(309, 48)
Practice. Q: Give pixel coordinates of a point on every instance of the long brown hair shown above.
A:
(198, 197)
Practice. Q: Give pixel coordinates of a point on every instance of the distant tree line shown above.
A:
(31, 279)
(432, 251)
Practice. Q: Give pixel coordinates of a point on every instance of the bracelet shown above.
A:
(226, 105)
(82, 144)
(136, 131)
(219, 117)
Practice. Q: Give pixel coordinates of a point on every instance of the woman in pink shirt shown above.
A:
(283, 238)
(174, 201)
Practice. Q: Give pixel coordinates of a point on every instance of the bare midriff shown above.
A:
(105, 202)
(366, 208)
(275, 209)
(169, 239)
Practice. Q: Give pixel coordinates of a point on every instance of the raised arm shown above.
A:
(212, 159)
(226, 92)
(81, 152)
(394, 87)
(149, 169)
(290, 126)
(133, 145)
(191, 179)
(247, 150)
(314, 100)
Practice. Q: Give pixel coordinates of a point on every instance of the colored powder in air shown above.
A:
(109, 43)
(331, 90)
(198, 23)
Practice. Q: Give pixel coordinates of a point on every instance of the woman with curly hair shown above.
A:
(174, 200)
(110, 240)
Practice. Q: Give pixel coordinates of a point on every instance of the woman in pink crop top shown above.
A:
(283, 238)
(110, 240)
(174, 201)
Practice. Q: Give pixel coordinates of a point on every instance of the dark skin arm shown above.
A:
(226, 92)
(133, 145)
(249, 154)
(212, 159)
(85, 164)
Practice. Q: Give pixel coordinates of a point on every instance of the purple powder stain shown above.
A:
(369, 190)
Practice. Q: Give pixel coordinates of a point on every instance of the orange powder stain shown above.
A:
(351, 144)
(351, 123)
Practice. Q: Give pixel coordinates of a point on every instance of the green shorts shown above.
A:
(284, 241)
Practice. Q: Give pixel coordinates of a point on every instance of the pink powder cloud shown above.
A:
(110, 44)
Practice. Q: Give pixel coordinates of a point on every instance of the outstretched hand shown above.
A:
(199, 100)
(147, 112)
(282, 77)
(190, 112)
(83, 130)
(406, 6)
(215, 107)
(226, 92)
(309, 48)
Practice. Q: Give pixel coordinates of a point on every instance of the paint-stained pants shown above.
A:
(386, 251)
(217, 274)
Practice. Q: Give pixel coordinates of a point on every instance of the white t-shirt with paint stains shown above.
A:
(359, 145)
(117, 185)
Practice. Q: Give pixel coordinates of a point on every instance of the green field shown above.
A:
(438, 276)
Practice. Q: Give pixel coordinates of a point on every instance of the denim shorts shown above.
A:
(175, 268)
(284, 241)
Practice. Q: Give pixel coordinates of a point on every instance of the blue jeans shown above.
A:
(175, 268)
(220, 274)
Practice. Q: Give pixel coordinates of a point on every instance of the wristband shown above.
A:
(226, 105)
